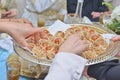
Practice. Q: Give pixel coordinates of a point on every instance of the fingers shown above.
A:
(79, 45)
(83, 42)
(118, 54)
(92, 13)
(35, 32)
(117, 38)
(32, 31)
(82, 46)
(9, 14)
(36, 38)
(85, 72)
(74, 37)
(21, 41)
(95, 14)
(6, 13)
(24, 44)
(79, 42)
(74, 45)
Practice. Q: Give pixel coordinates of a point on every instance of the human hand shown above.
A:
(9, 14)
(116, 38)
(74, 45)
(85, 72)
(96, 14)
(19, 31)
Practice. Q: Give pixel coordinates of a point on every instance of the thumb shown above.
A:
(23, 43)
(92, 13)
(117, 38)
(6, 13)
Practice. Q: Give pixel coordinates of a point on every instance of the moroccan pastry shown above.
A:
(46, 45)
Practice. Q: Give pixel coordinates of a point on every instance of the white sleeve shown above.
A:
(66, 66)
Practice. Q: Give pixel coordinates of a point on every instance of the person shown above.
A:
(67, 62)
(108, 70)
(68, 65)
(49, 10)
(19, 29)
(8, 9)
(93, 9)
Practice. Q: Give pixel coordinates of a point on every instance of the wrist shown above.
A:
(4, 27)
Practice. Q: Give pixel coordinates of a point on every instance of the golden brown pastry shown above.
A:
(48, 44)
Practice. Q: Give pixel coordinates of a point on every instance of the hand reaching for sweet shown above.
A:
(116, 38)
(18, 29)
(74, 44)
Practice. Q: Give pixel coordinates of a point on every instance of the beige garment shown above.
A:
(6, 5)
(34, 8)
(20, 7)
(57, 11)
(58, 8)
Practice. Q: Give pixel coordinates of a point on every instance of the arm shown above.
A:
(116, 38)
(68, 64)
(99, 9)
